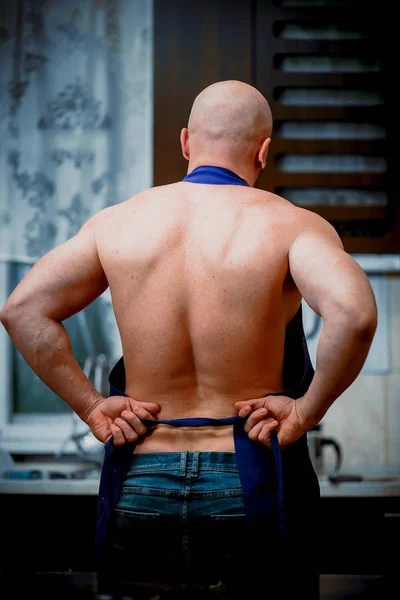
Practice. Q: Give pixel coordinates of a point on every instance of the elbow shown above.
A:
(10, 313)
(368, 325)
(361, 321)
(17, 314)
(364, 323)
(7, 317)
(4, 315)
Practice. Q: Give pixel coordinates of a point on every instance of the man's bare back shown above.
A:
(204, 279)
(202, 295)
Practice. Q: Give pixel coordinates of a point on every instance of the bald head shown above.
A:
(230, 110)
(230, 124)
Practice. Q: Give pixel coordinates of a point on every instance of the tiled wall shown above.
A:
(366, 418)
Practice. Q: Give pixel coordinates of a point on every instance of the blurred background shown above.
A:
(93, 95)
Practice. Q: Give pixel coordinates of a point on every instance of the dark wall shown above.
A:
(195, 45)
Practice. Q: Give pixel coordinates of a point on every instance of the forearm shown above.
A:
(45, 345)
(341, 353)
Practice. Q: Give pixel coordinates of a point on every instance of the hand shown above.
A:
(118, 416)
(272, 413)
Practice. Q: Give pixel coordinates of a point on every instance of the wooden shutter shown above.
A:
(324, 67)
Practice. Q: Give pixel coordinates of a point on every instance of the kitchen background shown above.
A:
(78, 101)
(93, 94)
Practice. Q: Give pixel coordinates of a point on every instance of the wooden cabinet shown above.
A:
(195, 44)
(360, 535)
(51, 533)
(325, 69)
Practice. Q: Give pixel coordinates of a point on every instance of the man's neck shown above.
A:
(241, 171)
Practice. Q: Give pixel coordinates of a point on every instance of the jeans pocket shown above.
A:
(144, 546)
(229, 533)
(130, 529)
(220, 544)
(132, 554)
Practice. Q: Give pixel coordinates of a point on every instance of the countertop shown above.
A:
(83, 479)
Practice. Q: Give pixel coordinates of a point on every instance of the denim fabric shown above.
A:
(180, 517)
(179, 530)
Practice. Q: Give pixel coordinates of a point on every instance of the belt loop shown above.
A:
(195, 463)
(182, 471)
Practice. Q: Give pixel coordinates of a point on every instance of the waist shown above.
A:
(165, 438)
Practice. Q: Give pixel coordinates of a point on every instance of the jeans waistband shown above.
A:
(196, 462)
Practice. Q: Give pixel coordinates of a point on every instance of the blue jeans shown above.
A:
(179, 527)
(180, 516)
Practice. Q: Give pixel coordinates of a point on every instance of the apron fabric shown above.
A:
(260, 468)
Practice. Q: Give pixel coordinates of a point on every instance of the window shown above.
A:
(34, 419)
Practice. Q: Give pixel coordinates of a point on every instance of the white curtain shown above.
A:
(75, 129)
(76, 108)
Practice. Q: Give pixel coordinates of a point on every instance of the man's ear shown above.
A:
(263, 153)
(185, 143)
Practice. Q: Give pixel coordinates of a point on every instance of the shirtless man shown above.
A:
(204, 281)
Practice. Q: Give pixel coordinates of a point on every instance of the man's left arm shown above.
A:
(63, 282)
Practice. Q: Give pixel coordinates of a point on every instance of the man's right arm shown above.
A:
(337, 289)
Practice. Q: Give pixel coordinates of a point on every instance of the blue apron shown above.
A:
(260, 468)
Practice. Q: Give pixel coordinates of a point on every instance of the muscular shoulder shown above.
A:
(112, 217)
(308, 224)
(297, 221)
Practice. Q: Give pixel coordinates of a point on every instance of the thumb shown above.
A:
(245, 407)
(113, 406)
(152, 407)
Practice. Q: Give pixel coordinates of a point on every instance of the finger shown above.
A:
(254, 418)
(254, 433)
(151, 408)
(130, 434)
(254, 404)
(245, 411)
(133, 421)
(118, 436)
(142, 412)
(265, 433)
